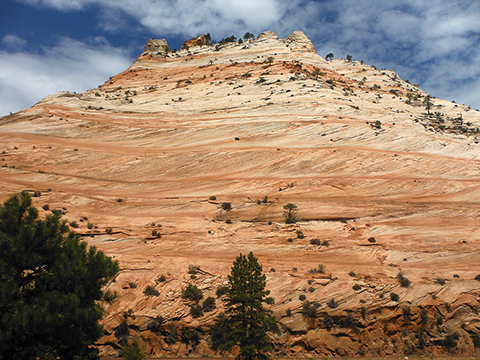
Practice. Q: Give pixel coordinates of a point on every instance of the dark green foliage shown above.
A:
(50, 282)
(325, 243)
(209, 304)
(290, 211)
(161, 279)
(247, 321)
(424, 316)
(151, 291)
(477, 277)
(155, 324)
(196, 311)
(406, 314)
(248, 36)
(352, 274)
(451, 340)
(46, 207)
(329, 56)
(402, 280)
(110, 296)
(212, 198)
(394, 297)
(440, 281)
(190, 336)
(132, 285)
(288, 312)
(221, 290)
(356, 287)
(332, 304)
(133, 351)
(192, 292)
(371, 239)
(300, 234)
(122, 332)
(228, 39)
(302, 297)
(226, 206)
(349, 57)
(74, 224)
(315, 241)
(309, 310)
(319, 270)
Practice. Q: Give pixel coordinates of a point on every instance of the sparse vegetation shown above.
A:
(394, 297)
(209, 304)
(226, 206)
(151, 291)
(319, 270)
(332, 303)
(289, 213)
(315, 241)
(192, 292)
(402, 280)
(196, 311)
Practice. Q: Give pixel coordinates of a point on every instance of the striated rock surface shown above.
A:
(200, 40)
(144, 162)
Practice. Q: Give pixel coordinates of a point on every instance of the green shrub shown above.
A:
(352, 274)
(151, 291)
(74, 224)
(319, 270)
(394, 296)
(371, 239)
(192, 292)
(209, 304)
(325, 243)
(132, 285)
(196, 311)
(190, 336)
(155, 324)
(332, 304)
(309, 310)
(221, 290)
(302, 297)
(300, 234)
(402, 280)
(226, 206)
(46, 207)
(356, 287)
(110, 296)
(212, 198)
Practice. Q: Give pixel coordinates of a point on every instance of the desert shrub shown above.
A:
(190, 336)
(108, 230)
(456, 276)
(160, 279)
(329, 81)
(319, 270)
(309, 310)
(288, 312)
(228, 221)
(151, 291)
(89, 225)
(272, 270)
(302, 297)
(371, 239)
(300, 234)
(294, 269)
(110, 296)
(451, 340)
(212, 198)
(440, 281)
(74, 224)
(477, 277)
(156, 234)
(209, 304)
(352, 274)
(315, 241)
(226, 206)
(402, 280)
(328, 322)
(356, 287)
(290, 240)
(192, 292)
(193, 269)
(196, 311)
(311, 289)
(46, 207)
(132, 284)
(122, 330)
(363, 311)
(424, 316)
(438, 318)
(406, 313)
(394, 296)
(325, 243)
(155, 324)
(332, 303)
(221, 290)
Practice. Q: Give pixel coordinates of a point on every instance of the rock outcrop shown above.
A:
(200, 40)
(387, 196)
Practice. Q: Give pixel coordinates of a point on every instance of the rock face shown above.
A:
(156, 47)
(200, 40)
(386, 194)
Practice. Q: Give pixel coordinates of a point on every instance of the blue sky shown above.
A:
(54, 45)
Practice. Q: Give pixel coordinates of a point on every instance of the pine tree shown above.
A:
(246, 322)
(50, 283)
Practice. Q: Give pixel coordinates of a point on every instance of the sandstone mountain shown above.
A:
(387, 193)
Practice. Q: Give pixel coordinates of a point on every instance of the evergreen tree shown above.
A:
(246, 322)
(49, 284)
(428, 103)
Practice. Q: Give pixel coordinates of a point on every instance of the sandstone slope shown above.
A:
(159, 147)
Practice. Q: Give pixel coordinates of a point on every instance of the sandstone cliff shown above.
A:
(143, 163)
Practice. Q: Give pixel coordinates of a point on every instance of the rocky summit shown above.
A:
(186, 159)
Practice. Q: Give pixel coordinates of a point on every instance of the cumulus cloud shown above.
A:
(70, 65)
(13, 42)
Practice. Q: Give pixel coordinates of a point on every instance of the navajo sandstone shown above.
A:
(261, 124)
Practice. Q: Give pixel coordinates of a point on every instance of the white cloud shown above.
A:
(13, 42)
(71, 65)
